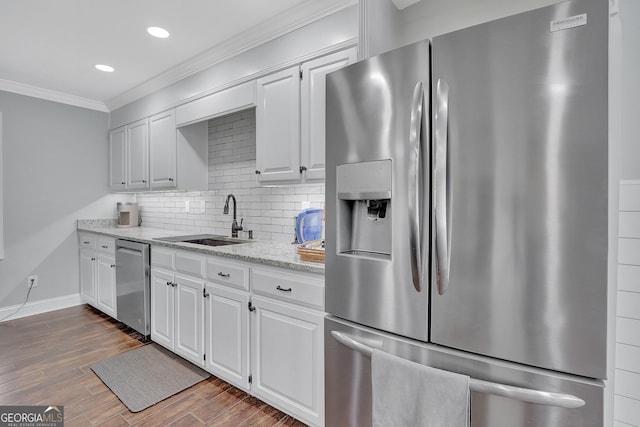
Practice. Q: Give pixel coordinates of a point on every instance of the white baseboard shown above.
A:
(42, 306)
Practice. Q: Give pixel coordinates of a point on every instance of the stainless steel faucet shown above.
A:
(234, 225)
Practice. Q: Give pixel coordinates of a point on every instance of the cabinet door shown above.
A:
(189, 341)
(227, 334)
(278, 126)
(162, 150)
(287, 358)
(313, 106)
(138, 155)
(88, 276)
(117, 159)
(106, 284)
(162, 308)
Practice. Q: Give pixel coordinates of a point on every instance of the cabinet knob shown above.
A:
(144, 181)
(170, 179)
(86, 243)
(168, 283)
(123, 183)
(93, 259)
(303, 168)
(113, 266)
(258, 172)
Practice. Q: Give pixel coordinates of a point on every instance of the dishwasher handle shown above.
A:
(129, 251)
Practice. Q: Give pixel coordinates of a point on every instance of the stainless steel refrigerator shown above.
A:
(467, 217)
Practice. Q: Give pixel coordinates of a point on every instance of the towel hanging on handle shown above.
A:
(408, 394)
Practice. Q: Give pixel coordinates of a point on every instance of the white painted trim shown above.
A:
(52, 95)
(297, 17)
(42, 306)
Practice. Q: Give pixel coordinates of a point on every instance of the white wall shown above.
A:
(269, 211)
(627, 381)
(629, 14)
(55, 171)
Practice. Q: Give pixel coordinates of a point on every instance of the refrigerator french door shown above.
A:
(520, 134)
(378, 192)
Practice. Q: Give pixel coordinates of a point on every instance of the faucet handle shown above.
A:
(240, 226)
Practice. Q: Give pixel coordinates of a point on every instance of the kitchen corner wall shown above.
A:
(269, 211)
(54, 172)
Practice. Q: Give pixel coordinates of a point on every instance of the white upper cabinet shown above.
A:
(138, 155)
(278, 126)
(313, 109)
(153, 154)
(290, 120)
(117, 159)
(217, 104)
(162, 150)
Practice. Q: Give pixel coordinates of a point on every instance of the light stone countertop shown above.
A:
(276, 254)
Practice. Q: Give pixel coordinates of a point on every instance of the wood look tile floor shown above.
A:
(45, 360)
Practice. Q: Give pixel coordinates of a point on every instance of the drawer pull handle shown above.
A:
(105, 246)
(86, 243)
(280, 288)
(221, 274)
(113, 266)
(169, 284)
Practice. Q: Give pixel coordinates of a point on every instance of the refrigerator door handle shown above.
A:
(441, 185)
(540, 397)
(415, 143)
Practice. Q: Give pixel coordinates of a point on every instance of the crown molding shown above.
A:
(52, 95)
(273, 28)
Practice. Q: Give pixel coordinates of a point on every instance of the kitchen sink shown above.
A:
(202, 239)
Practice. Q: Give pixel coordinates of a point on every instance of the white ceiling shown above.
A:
(51, 46)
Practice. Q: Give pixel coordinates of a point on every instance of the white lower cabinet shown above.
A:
(88, 276)
(228, 334)
(177, 314)
(259, 328)
(106, 284)
(97, 273)
(177, 306)
(287, 358)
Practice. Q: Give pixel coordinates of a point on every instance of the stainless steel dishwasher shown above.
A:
(133, 285)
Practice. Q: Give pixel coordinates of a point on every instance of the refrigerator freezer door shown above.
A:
(377, 186)
(348, 383)
(523, 235)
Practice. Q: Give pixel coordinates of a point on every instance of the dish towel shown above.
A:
(406, 393)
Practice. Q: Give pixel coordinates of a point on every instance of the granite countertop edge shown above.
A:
(270, 253)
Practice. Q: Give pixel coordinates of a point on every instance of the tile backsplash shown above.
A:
(268, 211)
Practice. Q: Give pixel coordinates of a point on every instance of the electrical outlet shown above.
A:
(186, 206)
(202, 206)
(34, 279)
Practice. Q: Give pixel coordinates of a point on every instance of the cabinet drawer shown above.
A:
(88, 241)
(106, 244)
(296, 288)
(228, 273)
(163, 258)
(190, 263)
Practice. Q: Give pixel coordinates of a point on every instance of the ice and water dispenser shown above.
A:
(364, 209)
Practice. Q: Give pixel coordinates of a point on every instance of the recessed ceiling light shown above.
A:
(105, 68)
(158, 32)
